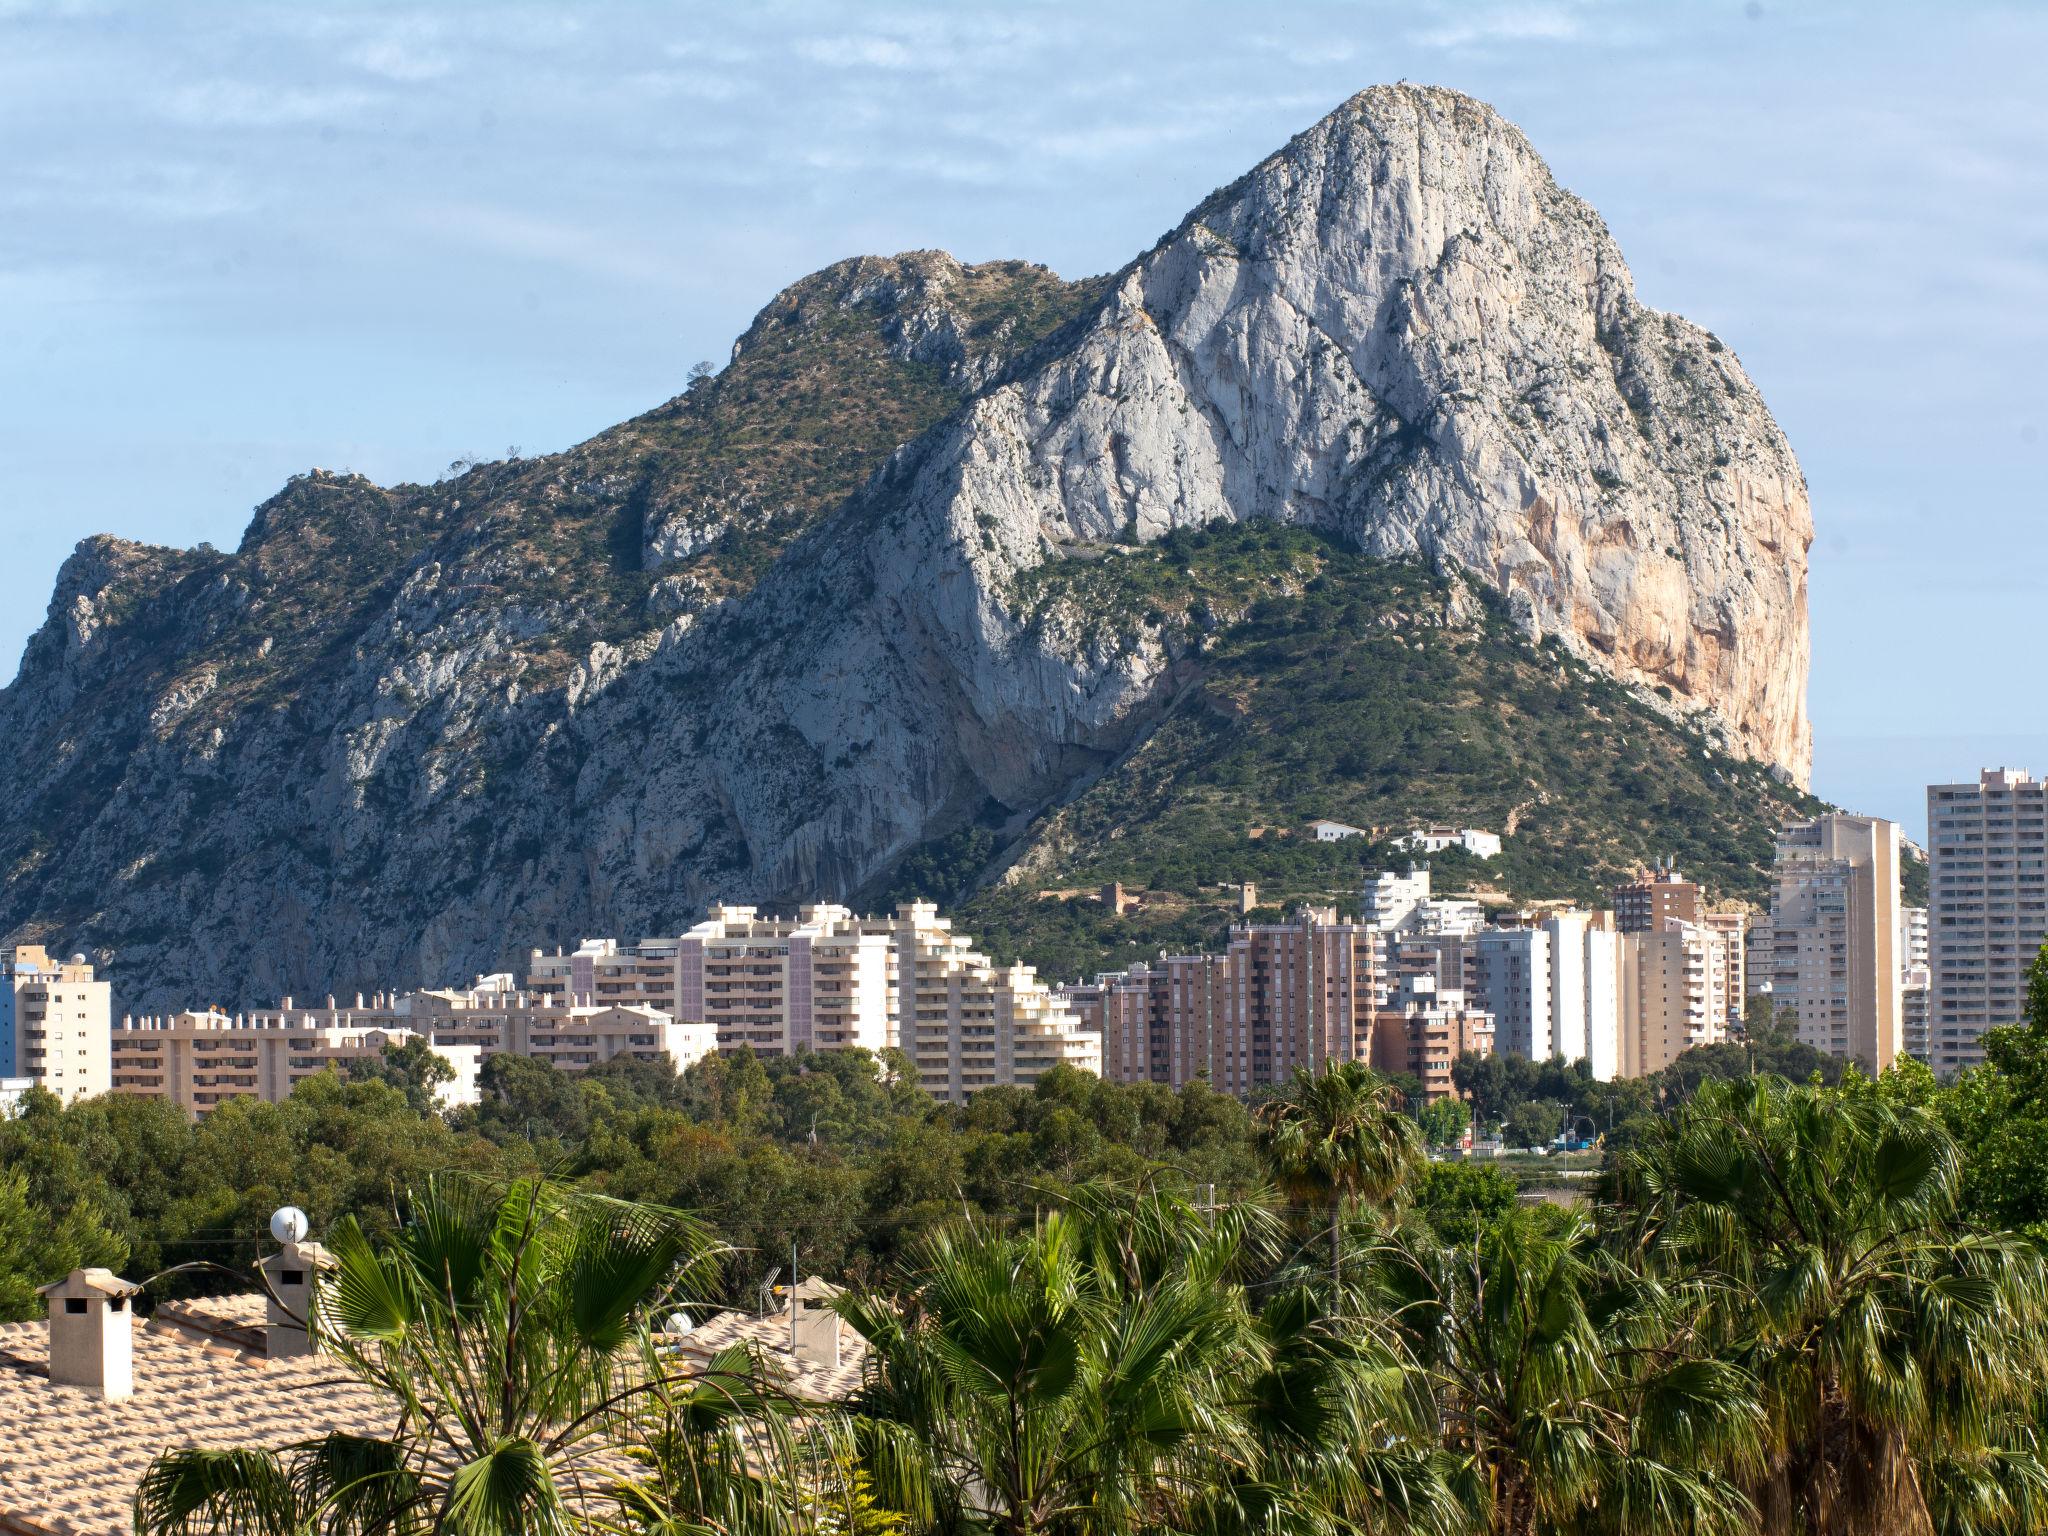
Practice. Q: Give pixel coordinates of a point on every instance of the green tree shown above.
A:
(1443, 1121)
(1898, 1352)
(38, 1246)
(507, 1330)
(1334, 1137)
(1534, 1123)
(414, 1068)
(1460, 1200)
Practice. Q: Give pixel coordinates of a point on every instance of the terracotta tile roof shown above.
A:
(70, 1461)
(769, 1334)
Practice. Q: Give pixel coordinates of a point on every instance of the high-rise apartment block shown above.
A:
(1833, 959)
(1283, 995)
(1987, 852)
(1645, 903)
(1678, 984)
(1423, 1030)
(1553, 988)
(54, 1022)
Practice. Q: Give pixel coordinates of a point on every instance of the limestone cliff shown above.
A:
(766, 639)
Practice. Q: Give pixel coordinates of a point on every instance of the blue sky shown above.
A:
(239, 241)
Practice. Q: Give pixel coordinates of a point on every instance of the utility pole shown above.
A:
(793, 1303)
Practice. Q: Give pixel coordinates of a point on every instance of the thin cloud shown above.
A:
(1516, 24)
(244, 104)
(551, 243)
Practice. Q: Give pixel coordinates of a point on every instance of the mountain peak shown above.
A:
(915, 569)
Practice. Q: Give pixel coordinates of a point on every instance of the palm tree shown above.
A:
(1898, 1352)
(1106, 1374)
(1573, 1395)
(506, 1328)
(1338, 1136)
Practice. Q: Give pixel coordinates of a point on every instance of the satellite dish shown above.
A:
(677, 1325)
(289, 1225)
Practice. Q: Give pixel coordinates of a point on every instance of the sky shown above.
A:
(240, 241)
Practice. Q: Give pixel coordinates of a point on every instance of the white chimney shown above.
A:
(816, 1330)
(92, 1332)
(291, 1279)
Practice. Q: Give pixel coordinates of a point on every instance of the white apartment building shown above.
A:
(821, 981)
(1676, 983)
(1835, 934)
(968, 1023)
(1912, 937)
(1402, 904)
(1987, 851)
(827, 979)
(54, 1021)
(1554, 989)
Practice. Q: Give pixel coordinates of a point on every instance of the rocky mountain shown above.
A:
(813, 618)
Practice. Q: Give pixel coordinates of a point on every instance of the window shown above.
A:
(74, 1305)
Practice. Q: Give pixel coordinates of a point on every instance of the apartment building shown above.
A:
(54, 1021)
(1161, 1022)
(1423, 1030)
(1644, 904)
(968, 1023)
(1834, 936)
(828, 979)
(202, 1058)
(1553, 988)
(1675, 992)
(1303, 993)
(602, 972)
(1987, 853)
(495, 1018)
(1402, 904)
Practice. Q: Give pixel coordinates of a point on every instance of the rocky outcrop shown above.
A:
(767, 638)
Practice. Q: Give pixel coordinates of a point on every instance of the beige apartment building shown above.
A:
(968, 1023)
(1677, 983)
(494, 1018)
(54, 1022)
(202, 1058)
(1834, 966)
(1987, 852)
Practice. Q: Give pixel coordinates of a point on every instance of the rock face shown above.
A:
(768, 638)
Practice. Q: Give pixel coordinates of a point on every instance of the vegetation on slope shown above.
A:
(1319, 682)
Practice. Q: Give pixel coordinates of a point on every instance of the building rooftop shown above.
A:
(70, 1459)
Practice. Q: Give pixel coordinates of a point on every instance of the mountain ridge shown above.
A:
(775, 635)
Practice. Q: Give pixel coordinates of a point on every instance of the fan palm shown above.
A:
(1898, 1352)
(1572, 1393)
(506, 1328)
(1335, 1137)
(1106, 1374)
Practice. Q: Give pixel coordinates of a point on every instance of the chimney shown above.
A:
(817, 1325)
(292, 1277)
(92, 1332)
